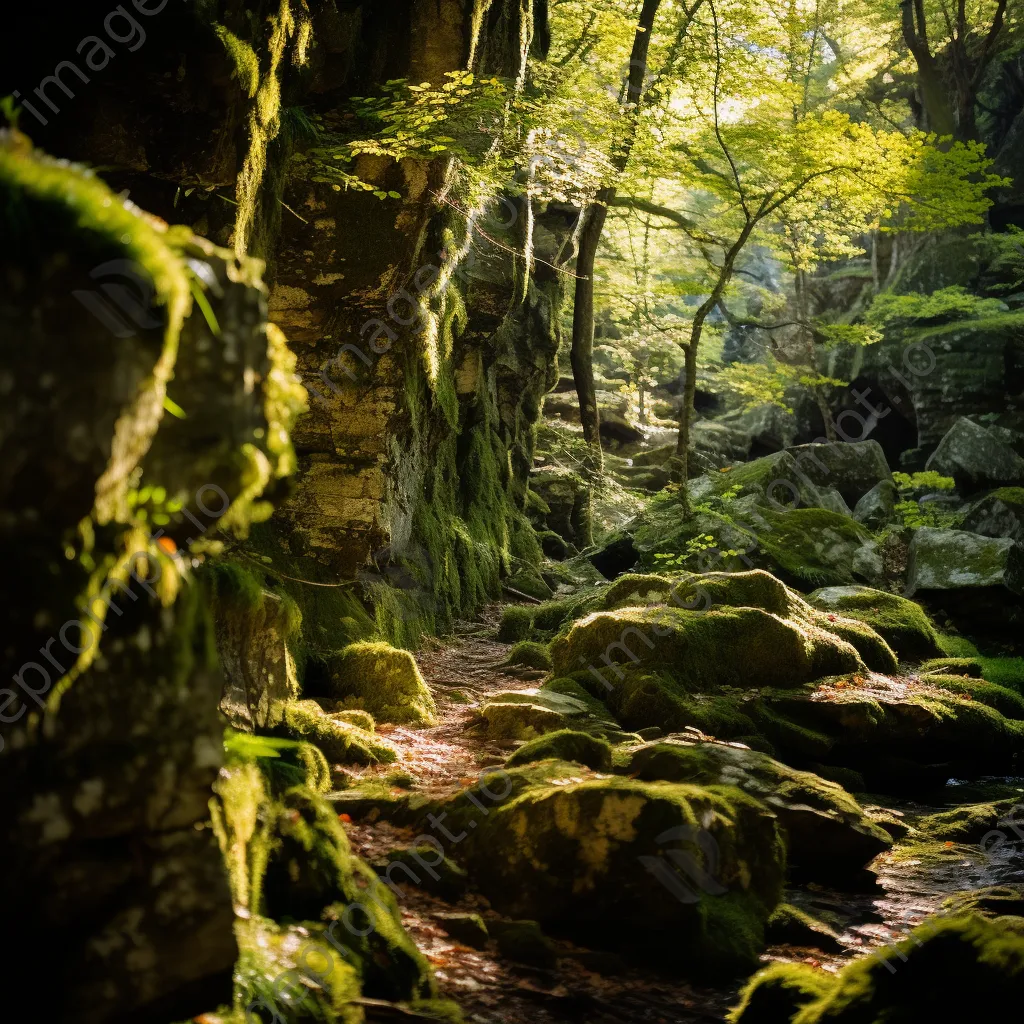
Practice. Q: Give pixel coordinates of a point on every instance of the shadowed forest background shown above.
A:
(513, 510)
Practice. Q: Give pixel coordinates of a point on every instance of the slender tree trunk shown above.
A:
(687, 412)
(581, 354)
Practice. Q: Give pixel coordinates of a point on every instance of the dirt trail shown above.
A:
(463, 672)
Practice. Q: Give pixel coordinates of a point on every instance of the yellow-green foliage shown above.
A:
(383, 680)
(340, 741)
(924, 977)
(284, 400)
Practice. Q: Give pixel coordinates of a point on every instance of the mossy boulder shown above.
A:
(341, 742)
(998, 514)
(529, 654)
(516, 623)
(681, 876)
(310, 867)
(566, 745)
(901, 734)
(760, 589)
(901, 622)
(969, 823)
(955, 560)
(721, 646)
(851, 468)
(829, 837)
(817, 546)
(382, 680)
(1007, 702)
(935, 974)
(526, 714)
(976, 458)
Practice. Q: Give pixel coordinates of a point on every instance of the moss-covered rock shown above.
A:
(340, 741)
(722, 646)
(969, 823)
(529, 654)
(775, 995)
(566, 745)
(793, 926)
(998, 514)
(679, 875)
(516, 623)
(383, 680)
(901, 622)
(829, 837)
(525, 714)
(524, 942)
(354, 716)
(1007, 702)
(970, 667)
(930, 976)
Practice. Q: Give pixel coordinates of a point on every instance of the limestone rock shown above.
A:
(976, 459)
(681, 876)
(875, 508)
(828, 835)
(999, 514)
(956, 560)
(852, 468)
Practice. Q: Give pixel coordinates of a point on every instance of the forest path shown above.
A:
(463, 671)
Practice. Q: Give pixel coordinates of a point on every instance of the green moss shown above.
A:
(354, 716)
(1008, 495)
(340, 742)
(924, 976)
(809, 543)
(952, 667)
(243, 58)
(1002, 671)
(530, 654)
(966, 824)
(383, 680)
(516, 623)
(596, 831)
(776, 993)
(566, 745)
(525, 943)
(311, 873)
(723, 646)
(901, 622)
(1006, 702)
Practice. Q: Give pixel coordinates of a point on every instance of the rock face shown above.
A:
(952, 560)
(852, 469)
(875, 508)
(999, 514)
(111, 731)
(976, 458)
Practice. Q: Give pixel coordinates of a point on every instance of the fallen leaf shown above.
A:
(166, 545)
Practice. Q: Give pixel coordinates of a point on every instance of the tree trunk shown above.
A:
(581, 355)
